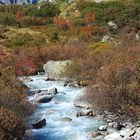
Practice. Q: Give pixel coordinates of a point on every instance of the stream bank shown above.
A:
(62, 120)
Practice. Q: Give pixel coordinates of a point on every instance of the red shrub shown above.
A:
(25, 68)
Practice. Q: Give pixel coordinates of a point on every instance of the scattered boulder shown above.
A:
(52, 91)
(39, 123)
(112, 25)
(44, 99)
(94, 134)
(103, 128)
(82, 100)
(86, 113)
(107, 39)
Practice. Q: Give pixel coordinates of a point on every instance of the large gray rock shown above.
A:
(54, 69)
(82, 100)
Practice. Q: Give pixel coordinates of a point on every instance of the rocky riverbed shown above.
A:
(57, 117)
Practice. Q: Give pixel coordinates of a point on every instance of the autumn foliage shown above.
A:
(119, 82)
(90, 18)
(61, 23)
(25, 68)
(87, 31)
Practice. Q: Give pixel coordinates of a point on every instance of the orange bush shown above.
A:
(61, 23)
(90, 18)
(87, 31)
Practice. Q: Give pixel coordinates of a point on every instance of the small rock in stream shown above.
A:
(45, 99)
(86, 113)
(103, 128)
(26, 79)
(39, 123)
(118, 126)
(66, 119)
(52, 91)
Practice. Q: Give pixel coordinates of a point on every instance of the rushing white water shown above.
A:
(61, 106)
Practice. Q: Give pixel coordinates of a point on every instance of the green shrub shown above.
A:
(20, 40)
(11, 8)
(7, 19)
(28, 21)
(46, 10)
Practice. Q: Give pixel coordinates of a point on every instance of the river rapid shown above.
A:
(57, 109)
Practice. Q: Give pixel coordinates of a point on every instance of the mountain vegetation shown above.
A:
(102, 39)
